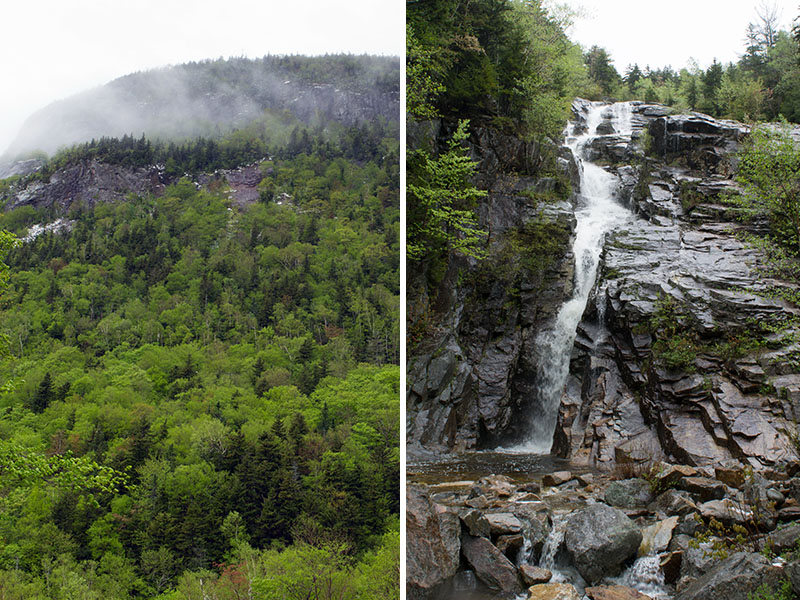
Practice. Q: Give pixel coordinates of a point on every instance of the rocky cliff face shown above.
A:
(686, 352)
(90, 182)
(474, 374)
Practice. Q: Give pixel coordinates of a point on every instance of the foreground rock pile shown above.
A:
(670, 532)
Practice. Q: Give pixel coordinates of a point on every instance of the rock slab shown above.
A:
(490, 565)
(735, 578)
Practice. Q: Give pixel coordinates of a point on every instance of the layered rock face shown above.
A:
(686, 351)
(86, 184)
(90, 182)
(474, 374)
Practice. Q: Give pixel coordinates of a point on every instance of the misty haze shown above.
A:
(210, 98)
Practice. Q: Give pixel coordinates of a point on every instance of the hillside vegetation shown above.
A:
(200, 396)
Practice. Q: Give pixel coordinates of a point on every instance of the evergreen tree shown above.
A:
(43, 395)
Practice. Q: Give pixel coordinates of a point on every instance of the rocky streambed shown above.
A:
(673, 532)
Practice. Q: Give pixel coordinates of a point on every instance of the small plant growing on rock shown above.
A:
(675, 344)
(722, 539)
(765, 592)
(678, 352)
(690, 198)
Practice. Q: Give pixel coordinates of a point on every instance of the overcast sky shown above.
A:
(51, 49)
(671, 32)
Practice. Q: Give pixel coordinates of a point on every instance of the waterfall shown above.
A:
(553, 557)
(646, 576)
(551, 548)
(597, 213)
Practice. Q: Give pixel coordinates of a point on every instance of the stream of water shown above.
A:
(597, 213)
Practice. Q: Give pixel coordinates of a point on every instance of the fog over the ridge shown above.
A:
(211, 97)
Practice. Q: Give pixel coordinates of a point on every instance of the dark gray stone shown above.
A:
(599, 539)
(628, 493)
(475, 522)
(735, 578)
(433, 544)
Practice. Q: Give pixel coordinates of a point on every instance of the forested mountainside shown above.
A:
(213, 97)
(610, 316)
(200, 384)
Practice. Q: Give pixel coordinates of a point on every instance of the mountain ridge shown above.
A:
(213, 97)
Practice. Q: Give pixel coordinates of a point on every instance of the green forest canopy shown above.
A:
(227, 375)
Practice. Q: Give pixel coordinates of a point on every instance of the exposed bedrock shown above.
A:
(686, 350)
(474, 372)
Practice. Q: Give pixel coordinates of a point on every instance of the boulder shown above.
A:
(698, 559)
(656, 537)
(789, 513)
(531, 487)
(475, 522)
(534, 575)
(730, 474)
(433, 545)
(735, 578)
(503, 523)
(628, 493)
(614, 592)
(670, 476)
(557, 478)
(704, 488)
(673, 502)
(599, 539)
(510, 544)
(784, 538)
(775, 496)
(480, 502)
(501, 486)
(553, 591)
(727, 511)
(490, 565)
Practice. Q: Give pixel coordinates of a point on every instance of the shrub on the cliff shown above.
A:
(675, 344)
(441, 202)
(765, 592)
(538, 243)
(769, 174)
(677, 352)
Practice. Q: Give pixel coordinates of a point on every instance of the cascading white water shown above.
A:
(597, 214)
(552, 557)
(646, 576)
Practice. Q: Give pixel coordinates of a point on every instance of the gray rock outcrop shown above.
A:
(735, 578)
(667, 362)
(433, 546)
(474, 373)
